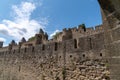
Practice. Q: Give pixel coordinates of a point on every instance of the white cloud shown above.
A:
(2, 39)
(22, 25)
(24, 10)
(56, 31)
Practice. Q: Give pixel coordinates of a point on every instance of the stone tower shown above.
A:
(41, 37)
(1, 44)
(13, 43)
(111, 20)
(23, 40)
(67, 34)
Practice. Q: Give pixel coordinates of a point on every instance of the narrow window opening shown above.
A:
(101, 55)
(19, 69)
(13, 51)
(56, 46)
(33, 49)
(25, 50)
(19, 51)
(75, 43)
(90, 40)
(43, 47)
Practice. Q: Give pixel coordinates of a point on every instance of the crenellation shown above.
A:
(90, 29)
(54, 45)
(77, 53)
(99, 27)
(74, 29)
(65, 29)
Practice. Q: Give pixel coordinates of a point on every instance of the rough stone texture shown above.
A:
(75, 59)
(75, 54)
(111, 23)
(32, 67)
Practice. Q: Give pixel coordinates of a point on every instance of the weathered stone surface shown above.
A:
(75, 54)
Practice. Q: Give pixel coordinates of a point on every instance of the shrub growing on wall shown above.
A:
(31, 39)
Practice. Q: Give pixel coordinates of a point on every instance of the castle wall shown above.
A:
(76, 54)
(15, 47)
(3, 49)
(113, 52)
(111, 25)
(89, 31)
(55, 60)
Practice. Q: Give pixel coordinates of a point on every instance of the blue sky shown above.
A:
(23, 18)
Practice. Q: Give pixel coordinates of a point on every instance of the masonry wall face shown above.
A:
(81, 58)
(111, 24)
(114, 53)
(77, 54)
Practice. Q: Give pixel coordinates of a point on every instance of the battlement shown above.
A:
(85, 53)
(81, 30)
(66, 34)
(82, 43)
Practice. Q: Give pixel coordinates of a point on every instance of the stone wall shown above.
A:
(76, 54)
(77, 32)
(111, 23)
(75, 59)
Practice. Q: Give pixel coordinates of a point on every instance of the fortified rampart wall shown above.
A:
(68, 34)
(94, 41)
(81, 58)
(76, 53)
(111, 21)
(77, 32)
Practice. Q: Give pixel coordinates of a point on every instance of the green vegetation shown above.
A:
(56, 35)
(64, 73)
(31, 39)
(83, 26)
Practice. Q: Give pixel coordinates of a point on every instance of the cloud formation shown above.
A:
(22, 25)
(2, 39)
(56, 31)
